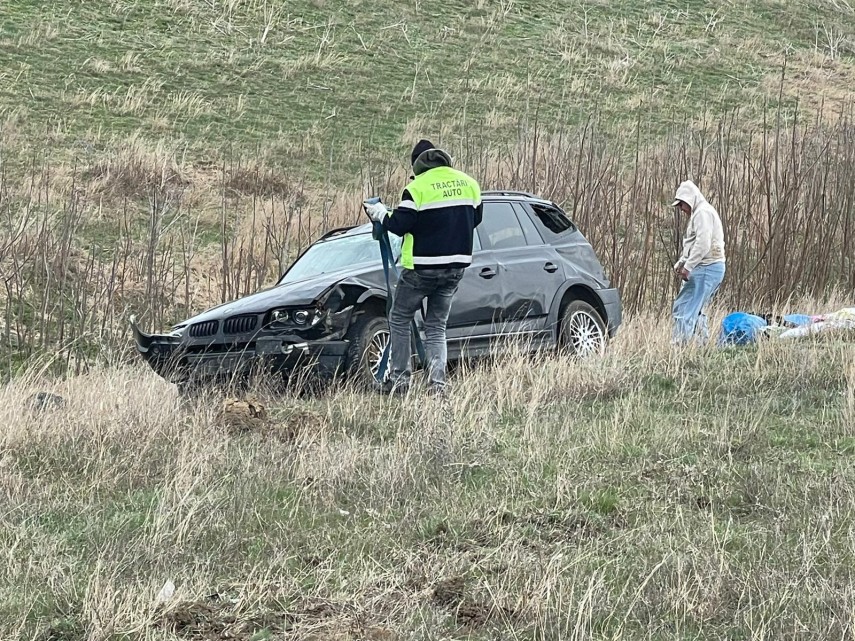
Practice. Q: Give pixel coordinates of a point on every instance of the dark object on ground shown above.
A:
(771, 319)
(534, 279)
(44, 401)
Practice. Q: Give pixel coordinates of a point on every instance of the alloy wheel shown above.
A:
(585, 335)
(374, 351)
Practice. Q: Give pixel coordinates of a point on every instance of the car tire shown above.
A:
(582, 331)
(367, 337)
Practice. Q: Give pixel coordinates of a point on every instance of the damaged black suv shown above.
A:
(533, 276)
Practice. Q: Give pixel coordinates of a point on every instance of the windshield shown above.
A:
(339, 253)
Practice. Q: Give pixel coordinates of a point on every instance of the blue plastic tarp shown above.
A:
(797, 320)
(740, 328)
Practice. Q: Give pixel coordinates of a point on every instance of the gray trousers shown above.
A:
(438, 286)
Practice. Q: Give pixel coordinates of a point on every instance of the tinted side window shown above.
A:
(531, 234)
(552, 218)
(499, 228)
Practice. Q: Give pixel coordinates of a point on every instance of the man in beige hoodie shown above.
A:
(701, 265)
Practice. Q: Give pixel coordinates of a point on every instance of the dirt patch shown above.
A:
(214, 622)
(379, 633)
(322, 610)
(567, 528)
(476, 534)
(479, 614)
(451, 595)
(135, 170)
(247, 415)
(215, 619)
(299, 422)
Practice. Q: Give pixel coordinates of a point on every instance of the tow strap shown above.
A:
(382, 236)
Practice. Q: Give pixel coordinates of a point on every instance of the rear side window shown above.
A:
(499, 228)
(553, 219)
(531, 234)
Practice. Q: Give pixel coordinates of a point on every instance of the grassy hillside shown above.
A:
(159, 156)
(655, 495)
(171, 154)
(311, 78)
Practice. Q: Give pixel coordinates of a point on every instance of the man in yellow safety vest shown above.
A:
(437, 216)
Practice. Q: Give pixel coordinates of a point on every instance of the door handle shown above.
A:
(486, 273)
(550, 267)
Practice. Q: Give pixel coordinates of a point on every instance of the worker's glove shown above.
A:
(375, 211)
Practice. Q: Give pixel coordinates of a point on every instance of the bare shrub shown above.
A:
(134, 168)
(178, 238)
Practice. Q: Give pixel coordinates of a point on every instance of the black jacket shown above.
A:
(437, 215)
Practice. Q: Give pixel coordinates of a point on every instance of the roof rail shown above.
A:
(507, 192)
(334, 232)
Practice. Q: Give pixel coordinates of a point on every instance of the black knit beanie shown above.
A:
(421, 146)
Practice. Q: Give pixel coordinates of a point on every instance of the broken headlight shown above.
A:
(177, 330)
(293, 318)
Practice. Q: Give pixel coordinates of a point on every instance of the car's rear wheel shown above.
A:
(368, 338)
(583, 332)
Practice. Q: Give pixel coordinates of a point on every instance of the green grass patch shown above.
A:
(336, 74)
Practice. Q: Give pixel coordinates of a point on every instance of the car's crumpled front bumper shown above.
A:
(179, 360)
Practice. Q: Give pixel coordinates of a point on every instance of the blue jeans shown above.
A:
(438, 286)
(690, 321)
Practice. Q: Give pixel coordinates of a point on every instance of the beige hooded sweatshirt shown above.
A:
(703, 243)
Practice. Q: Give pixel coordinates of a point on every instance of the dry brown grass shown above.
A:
(654, 493)
(650, 491)
(817, 80)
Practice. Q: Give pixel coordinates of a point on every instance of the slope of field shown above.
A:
(314, 78)
(159, 156)
(654, 495)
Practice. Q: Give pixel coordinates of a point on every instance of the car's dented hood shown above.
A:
(297, 294)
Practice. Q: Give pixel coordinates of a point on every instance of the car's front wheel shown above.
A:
(583, 332)
(368, 338)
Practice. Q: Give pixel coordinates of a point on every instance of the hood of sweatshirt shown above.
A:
(431, 159)
(689, 193)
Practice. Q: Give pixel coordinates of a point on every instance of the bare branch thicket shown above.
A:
(785, 190)
(785, 194)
